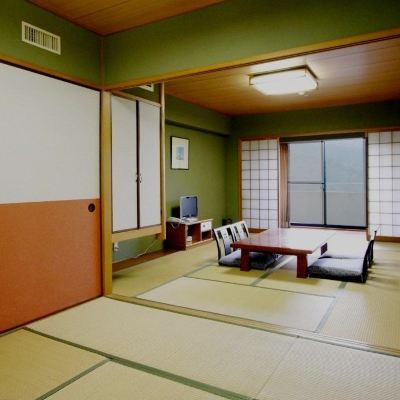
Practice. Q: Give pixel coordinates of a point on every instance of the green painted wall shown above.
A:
(353, 117)
(206, 175)
(146, 94)
(228, 31)
(133, 248)
(80, 49)
(183, 113)
(238, 29)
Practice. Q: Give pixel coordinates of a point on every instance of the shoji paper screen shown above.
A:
(259, 183)
(384, 182)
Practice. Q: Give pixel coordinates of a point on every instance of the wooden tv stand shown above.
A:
(178, 233)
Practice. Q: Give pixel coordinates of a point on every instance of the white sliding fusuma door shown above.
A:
(136, 164)
(124, 164)
(149, 164)
(49, 195)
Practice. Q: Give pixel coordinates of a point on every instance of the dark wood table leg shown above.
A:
(244, 260)
(324, 248)
(302, 271)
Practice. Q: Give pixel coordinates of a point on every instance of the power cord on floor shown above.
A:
(147, 249)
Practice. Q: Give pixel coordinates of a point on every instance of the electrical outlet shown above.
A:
(115, 246)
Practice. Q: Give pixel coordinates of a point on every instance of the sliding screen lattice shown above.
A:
(259, 183)
(384, 182)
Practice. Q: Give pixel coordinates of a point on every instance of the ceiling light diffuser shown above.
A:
(298, 80)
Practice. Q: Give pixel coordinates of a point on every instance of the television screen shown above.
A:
(188, 207)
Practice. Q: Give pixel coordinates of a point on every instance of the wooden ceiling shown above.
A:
(357, 74)
(109, 16)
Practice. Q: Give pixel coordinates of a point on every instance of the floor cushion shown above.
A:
(338, 268)
(258, 260)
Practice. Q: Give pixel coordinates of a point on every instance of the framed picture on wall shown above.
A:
(179, 153)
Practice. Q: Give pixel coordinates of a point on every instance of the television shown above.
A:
(188, 208)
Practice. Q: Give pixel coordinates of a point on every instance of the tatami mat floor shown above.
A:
(277, 307)
(109, 349)
(215, 358)
(132, 281)
(190, 349)
(32, 365)
(116, 381)
(347, 311)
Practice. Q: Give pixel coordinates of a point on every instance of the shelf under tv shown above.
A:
(184, 234)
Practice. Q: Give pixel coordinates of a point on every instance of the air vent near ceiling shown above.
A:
(41, 38)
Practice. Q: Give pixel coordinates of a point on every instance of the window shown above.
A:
(327, 182)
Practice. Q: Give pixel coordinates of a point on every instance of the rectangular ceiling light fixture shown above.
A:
(299, 80)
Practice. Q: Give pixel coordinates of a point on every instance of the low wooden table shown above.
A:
(291, 241)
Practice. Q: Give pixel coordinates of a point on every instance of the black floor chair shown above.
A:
(226, 235)
(344, 267)
(356, 253)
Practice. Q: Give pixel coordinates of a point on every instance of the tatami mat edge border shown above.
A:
(146, 368)
(263, 326)
(73, 379)
(170, 280)
(254, 283)
(9, 332)
(339, 292)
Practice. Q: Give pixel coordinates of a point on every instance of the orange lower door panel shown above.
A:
(49, 258)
